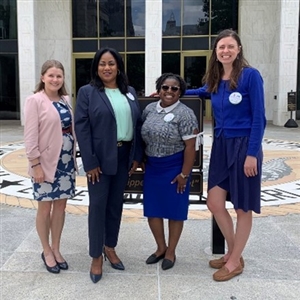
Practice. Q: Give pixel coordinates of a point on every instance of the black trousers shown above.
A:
(106, 205)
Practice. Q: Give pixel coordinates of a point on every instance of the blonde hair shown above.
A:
(51, 63)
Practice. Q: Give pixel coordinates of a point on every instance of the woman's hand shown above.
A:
(250, 166)
(134, 166)
(38, 174)
(154, 94)
(181, 183)
(142, 166)
(94, 175)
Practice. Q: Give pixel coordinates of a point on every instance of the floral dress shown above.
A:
(63, 186)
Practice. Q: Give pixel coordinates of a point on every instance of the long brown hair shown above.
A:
(215, 70)
(52, 63)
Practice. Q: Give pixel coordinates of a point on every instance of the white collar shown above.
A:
(166, 109)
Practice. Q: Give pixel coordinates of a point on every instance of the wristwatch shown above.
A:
(184, 176)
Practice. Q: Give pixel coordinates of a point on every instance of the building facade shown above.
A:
(153, 36)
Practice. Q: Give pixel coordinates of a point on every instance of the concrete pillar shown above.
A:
(153, 44)
(269, 33)
(44, 32)
(26, 10)
(288, 54)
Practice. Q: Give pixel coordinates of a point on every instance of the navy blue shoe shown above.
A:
(117, 266)
(95, 277)
(63, 265)
(55, 269)
(168, 264)
(153, 258)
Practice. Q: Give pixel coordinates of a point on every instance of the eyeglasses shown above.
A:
(167, 87)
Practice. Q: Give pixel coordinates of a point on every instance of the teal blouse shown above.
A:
(122, 112)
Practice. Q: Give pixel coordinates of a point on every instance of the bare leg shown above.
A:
(157, 227)
(43, 230)
(243, 229)
(216, 204)
(57, 224)
(175, 230)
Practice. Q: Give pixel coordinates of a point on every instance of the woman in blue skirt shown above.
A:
(237, 97)
(169, 132)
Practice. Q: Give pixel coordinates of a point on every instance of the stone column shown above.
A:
(153, 44)
(54, 34)
(269, 33)
(27, 50)
(288, 55)
(44, 32)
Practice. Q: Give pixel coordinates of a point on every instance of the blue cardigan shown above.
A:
(239, 112)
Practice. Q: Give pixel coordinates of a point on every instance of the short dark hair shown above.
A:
(160, 80)
(122, 80)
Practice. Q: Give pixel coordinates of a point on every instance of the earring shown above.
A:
(119, 72)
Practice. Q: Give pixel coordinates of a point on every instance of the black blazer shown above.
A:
(96, 130)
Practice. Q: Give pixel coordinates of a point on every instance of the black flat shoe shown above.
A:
(168, 264)
(63, 265)
(153, 258)
(55, 269)
(95, 277)
(117, 266)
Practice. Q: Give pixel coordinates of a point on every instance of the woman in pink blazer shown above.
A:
(50, 148)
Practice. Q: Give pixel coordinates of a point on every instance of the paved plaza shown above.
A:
(272, 256)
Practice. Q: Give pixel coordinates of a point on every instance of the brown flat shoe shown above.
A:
(219, 263)
(223, 274)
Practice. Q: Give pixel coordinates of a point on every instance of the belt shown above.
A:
(66, 130)
(123, 143)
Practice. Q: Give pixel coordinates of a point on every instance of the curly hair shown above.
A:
(48, 64)
(122, 80)
(160, 81)
(215, 69)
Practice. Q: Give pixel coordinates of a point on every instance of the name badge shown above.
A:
(169, 117)
(235, 98)
(130, 96)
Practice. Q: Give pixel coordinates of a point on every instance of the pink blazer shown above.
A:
(43, 133)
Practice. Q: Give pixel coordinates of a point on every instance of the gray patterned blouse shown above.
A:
(165, 129)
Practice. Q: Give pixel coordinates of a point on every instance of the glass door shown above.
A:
(81, 75)
(193, 68)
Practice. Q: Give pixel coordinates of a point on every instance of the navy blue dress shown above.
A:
(228, 172)
(63, 186)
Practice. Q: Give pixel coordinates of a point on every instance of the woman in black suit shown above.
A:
(107, 122)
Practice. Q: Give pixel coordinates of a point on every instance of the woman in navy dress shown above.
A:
(169, 132)
(50, 148)
(237, 97)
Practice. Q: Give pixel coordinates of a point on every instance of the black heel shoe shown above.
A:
(63, 265)
(96, 277)
(117, 266)
(55, 269)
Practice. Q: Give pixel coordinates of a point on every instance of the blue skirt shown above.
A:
(161, 199)
(226, 170)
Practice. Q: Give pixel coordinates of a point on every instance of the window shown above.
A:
(9, 87)
(8, 19)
